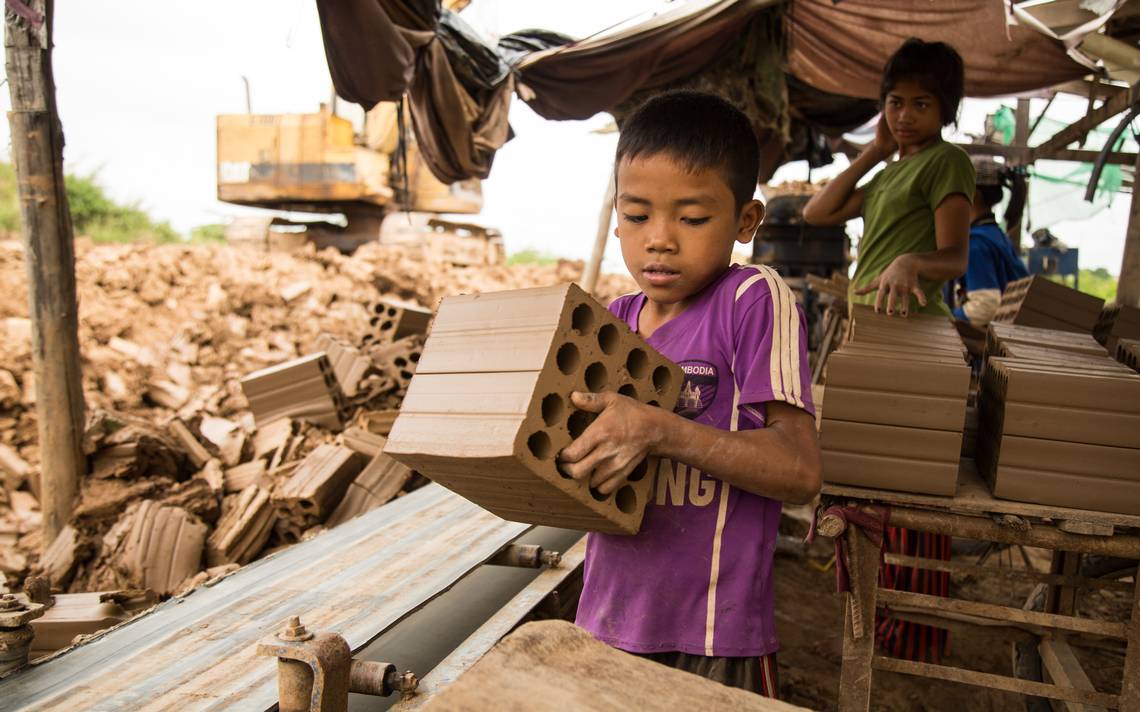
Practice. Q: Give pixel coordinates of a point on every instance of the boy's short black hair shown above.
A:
(700, 131)
(936, 66)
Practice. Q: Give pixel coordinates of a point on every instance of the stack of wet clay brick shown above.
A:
(1119, 330)
(1037, 301)
(489, 407)
(895, 404)
(1059, 421)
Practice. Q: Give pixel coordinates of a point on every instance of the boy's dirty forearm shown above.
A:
(780, 461)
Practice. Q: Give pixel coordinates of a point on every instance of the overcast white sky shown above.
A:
(139, 85)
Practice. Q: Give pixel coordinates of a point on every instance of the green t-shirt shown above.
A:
(898, 214)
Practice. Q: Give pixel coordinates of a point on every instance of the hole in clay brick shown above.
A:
(578, 421)
(568, 358)
(628, 390)
(415, 357)
(598, 495)
(392, 311)
(608, 338)
(662, 379)
(540, 445)
(626, 499)
(307, 504)
(385, 326)
(406, 375)
(400, 361)
(637, 363)
(552, 409)
(639, 471)
(582, 319)
(596, 377)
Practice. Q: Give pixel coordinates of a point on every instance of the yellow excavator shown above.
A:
(318, 163)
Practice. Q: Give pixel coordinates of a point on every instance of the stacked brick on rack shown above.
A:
(489, 408)
(895, 404)
(1060, 421)
(1043, 303)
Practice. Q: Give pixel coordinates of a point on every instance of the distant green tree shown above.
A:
(93, 212)
(215, 232)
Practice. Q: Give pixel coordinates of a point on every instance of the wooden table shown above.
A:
(975, 514)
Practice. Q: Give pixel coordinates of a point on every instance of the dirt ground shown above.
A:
(810, 620)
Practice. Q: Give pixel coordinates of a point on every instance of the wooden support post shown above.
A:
(1128, 285)
(49, 258)
(1063, 599)
(859, 620)
(594, 266)
(1130, 689)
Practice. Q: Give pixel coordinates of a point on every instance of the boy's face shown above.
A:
(677, 227)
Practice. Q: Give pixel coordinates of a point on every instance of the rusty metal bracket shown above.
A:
(316, 671)
(527, 556)
(15, 633)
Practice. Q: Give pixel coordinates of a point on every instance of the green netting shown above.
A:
(1057, 188)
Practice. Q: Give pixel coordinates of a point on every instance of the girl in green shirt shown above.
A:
(916, 211)
(916, 227)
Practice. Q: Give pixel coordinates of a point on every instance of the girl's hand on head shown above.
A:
(884, 144)
(895, 286)
(613, 445)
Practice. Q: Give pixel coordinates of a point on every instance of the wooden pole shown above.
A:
(49, 258)
(1128, 285)
(594, 266)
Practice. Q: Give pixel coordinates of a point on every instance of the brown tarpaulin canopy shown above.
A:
(377, 49)
(579, 80)
(841, 47)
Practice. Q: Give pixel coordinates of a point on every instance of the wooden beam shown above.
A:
(1083, 88)
(962, 567)
(594, 266)
(1078, 129)
(1065, 670)
(994, 682)
(1128, 284)
(1130, 688)
(922, 601)
(859, 623)
(49, 259)
(1123, 545)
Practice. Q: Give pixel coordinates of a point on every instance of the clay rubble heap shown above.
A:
(238, 402)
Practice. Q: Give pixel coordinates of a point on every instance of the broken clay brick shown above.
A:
(363, 442)
(74, 614)
(304, 388)
(392, 320)
(243, 529)
(317, 485)
(160, 547)
(237, 478)
(349, 365)
(489, 408)
(378, 483)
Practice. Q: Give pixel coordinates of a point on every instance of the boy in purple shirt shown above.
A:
(693, 589)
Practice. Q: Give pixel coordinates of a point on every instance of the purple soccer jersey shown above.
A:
(697, 578)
